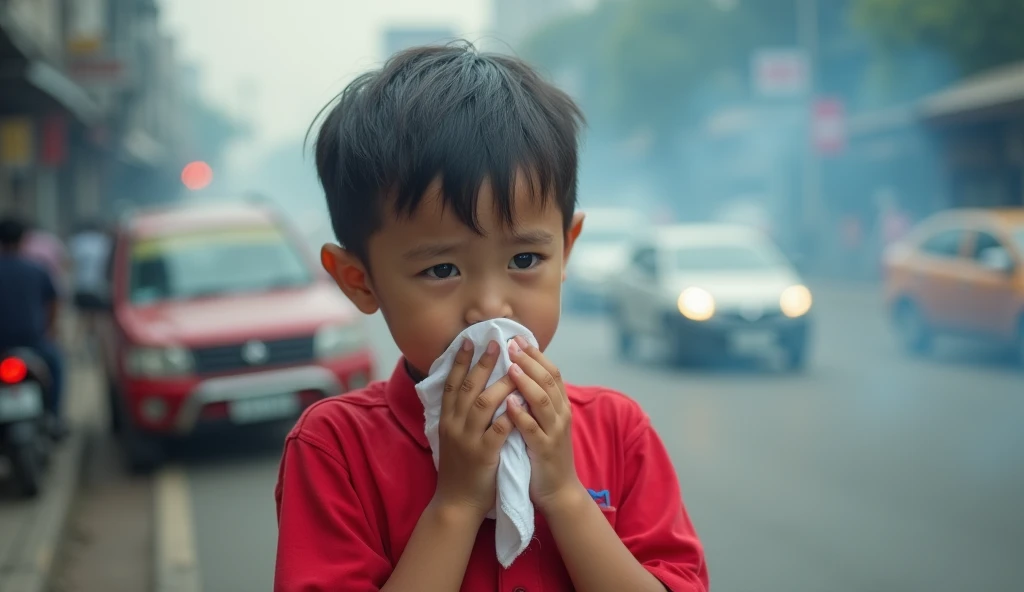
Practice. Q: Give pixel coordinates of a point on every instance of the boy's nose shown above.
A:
(490, 304)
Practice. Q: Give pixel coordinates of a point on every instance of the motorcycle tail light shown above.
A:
(13, 370)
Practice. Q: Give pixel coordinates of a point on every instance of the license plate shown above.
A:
(753, 341)
(21, 401)
(264, 408)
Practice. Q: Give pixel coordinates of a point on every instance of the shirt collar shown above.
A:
(405, 403)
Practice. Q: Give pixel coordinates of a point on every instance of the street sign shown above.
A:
(86, 27)
(99, 73)
(828, 125)
(53, 149)
(17, 142)
(780, 73)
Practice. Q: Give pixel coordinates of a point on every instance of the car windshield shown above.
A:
(210, 263)
(726, 258)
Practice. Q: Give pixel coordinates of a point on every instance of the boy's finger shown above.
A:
(550, 382)
(495, 436)
(460, 367)
(483, 406)
(542, 403)
(541, 358)
(526, 424)
(475, 381)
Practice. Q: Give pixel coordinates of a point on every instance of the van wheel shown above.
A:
(115, 421)
(913, 329)
(796, 357)
(143, 453)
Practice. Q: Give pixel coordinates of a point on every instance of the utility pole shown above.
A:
(807, 33)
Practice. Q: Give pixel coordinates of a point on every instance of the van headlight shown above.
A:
(159, 362)
(795, 301)
(696, 304)
(333, 341)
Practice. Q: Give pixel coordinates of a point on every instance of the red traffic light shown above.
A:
(196, 175)
(13, 370)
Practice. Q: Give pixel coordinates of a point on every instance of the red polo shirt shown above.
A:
(357, 473)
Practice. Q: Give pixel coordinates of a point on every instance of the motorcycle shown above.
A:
(24, 438)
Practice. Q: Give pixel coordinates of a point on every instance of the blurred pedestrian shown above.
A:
(852, 233)
(90, 248)
(47, 249)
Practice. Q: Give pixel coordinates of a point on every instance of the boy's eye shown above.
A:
(442, 271)
(524, 261)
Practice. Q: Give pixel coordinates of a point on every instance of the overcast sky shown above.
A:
(278, 61)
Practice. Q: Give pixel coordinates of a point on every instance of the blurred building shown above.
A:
(90, 112)
(962, 145)
(49, 124)
(120, 54)
(396, 39)
(978, 126)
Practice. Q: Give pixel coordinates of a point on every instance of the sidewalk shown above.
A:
(31, 531)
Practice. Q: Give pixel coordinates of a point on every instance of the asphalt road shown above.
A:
(870, 472)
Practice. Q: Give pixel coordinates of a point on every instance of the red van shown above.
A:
(220, 316)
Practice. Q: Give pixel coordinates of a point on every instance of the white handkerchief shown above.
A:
(513, 510)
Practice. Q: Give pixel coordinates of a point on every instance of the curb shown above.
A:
(29, 567)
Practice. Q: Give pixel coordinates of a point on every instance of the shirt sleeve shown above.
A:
(325, 540)
(651, 518)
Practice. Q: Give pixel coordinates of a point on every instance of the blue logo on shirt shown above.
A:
(602, 497)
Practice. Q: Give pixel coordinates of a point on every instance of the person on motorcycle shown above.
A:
(28, 312)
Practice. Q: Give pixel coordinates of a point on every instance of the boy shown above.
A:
(451, 181)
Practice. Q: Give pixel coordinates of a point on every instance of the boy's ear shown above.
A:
(351, 276)
(575, 227)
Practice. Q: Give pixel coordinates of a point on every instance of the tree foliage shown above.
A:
(976, 34)
(649, 64)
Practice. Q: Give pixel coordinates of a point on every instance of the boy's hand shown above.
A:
(468, 442)
(547, 432)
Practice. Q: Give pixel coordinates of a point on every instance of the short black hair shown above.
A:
(445, 112)
(12, 232)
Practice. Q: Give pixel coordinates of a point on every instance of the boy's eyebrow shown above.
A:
(430, 250)
(532, 237)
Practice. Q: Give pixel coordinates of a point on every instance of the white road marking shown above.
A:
(177, 564)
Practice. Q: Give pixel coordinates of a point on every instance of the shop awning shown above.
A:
(990, 95)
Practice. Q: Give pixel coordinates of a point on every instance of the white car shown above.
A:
(600, 253)
(713, 291)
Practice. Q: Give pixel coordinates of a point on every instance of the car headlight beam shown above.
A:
(796, 301)
(159, 362)
(696, 304)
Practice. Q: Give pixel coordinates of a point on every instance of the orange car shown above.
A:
(959, 272)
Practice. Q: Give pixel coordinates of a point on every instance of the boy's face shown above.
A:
(432, 276)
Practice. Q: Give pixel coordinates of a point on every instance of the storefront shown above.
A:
(979, 128)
